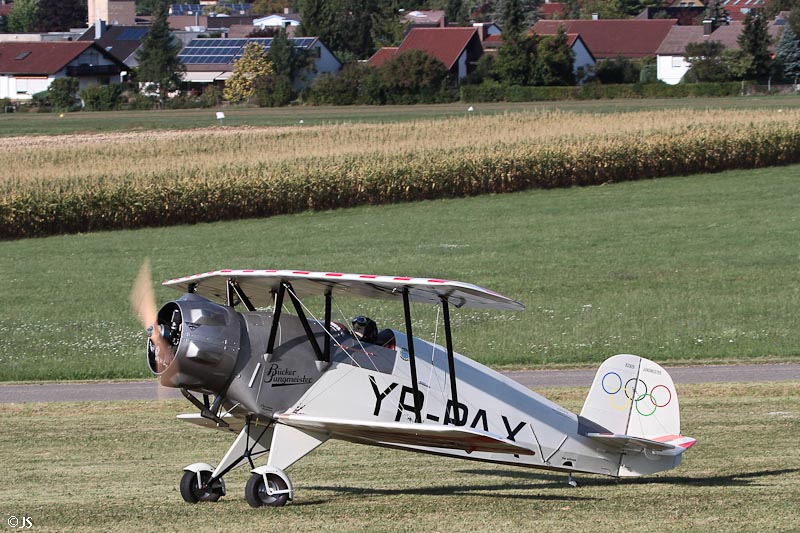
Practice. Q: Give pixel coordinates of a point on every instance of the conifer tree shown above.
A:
(159, 65)
(788, 52)
(754, 41)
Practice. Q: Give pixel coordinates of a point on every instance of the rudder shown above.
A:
(631, 395)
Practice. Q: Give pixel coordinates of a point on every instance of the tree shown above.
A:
(456, 11)
(707, 63)
(159, 65)
(22, 17)
(343, 25)
(248, 70)
(555, 60)
(389, 28)
(788, 52)
(517, 56)
(754, 41)
(268, 7)
(63, 93)
(716, 13)
(414, 77)
(60, 15)
(618, 70)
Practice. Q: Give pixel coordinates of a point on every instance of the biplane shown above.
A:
(285, 382)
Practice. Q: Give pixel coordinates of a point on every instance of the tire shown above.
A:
(191, 493)
(256, 492)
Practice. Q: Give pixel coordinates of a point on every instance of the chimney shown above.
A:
(708, 26)
(99, 28)
(595, 16)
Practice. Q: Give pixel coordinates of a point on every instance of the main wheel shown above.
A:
(256, 491)
(192, 493)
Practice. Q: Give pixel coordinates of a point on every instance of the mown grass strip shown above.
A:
(115, 466)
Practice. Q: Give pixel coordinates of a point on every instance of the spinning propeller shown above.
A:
(143, 304)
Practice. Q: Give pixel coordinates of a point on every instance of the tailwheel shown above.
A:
(195, 488)
(273, 493)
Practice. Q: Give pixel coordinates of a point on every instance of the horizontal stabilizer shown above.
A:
(666, 445)
(389, 433)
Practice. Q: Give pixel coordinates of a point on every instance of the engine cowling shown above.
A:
(203, 340)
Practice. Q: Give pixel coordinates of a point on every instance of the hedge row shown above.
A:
(496, 92)
(262, 190)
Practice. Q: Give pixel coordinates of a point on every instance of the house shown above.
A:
(122, 42)
(285, 20)
(425, 19)
(670, 62)
(30, 68)
(211, 60)
(458, 48)
(552, 10)
(584, 59)
(738, 9)
(191, 9)
(486, 29)
(611, 38)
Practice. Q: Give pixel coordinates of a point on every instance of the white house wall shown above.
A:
(24, 87)
(670, 69)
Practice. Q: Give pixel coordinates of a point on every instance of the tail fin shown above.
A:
(635, 398)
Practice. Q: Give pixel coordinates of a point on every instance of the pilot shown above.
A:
(365, 329)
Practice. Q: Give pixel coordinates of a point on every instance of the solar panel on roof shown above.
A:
(132, 34)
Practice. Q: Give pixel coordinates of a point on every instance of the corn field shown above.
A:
(82, 183)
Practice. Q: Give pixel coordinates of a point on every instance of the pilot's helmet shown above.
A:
(365, 328)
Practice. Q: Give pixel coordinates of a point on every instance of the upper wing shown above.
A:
(387, 433)
(260, 285)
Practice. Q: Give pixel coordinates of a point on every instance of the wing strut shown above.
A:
(451, 364)
(304, 322)
(328, 298)
(412, 358)
(276, 316)
(235, 291)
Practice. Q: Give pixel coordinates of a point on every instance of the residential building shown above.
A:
(612, 38)
(123, 42)
(30, 68)
(458, 48)
(671, 63)
(212, 60)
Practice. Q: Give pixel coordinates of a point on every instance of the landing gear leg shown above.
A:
(571, 481)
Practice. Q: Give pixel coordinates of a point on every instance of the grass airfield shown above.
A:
(698, 269)
(692, 269)
(115, 466)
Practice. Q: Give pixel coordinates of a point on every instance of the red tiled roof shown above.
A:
(445, 44)
(738, 9)
(631, 38)
(553, 8)
(41, 57)
(382, 56)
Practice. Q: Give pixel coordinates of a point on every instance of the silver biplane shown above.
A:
(285, 383)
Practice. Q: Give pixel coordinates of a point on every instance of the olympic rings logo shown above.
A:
(612, 384)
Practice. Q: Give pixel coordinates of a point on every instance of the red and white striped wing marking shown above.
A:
(259, 285)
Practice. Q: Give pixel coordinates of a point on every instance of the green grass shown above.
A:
(696, 269)
(115, 466)
(83, 122)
